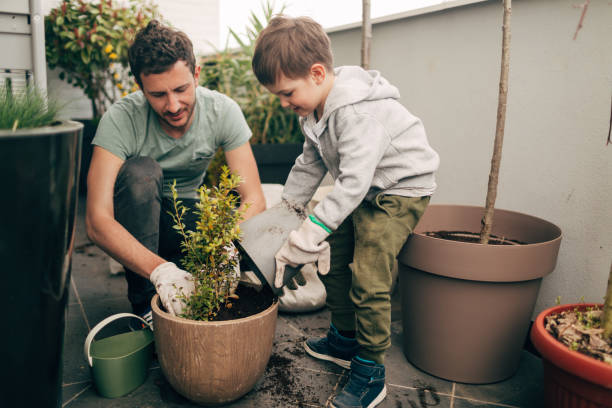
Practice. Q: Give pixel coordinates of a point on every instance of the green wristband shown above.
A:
(319, 223)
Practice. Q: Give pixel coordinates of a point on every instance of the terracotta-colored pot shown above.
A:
(213, 363)
(466, 307)
(571, 379)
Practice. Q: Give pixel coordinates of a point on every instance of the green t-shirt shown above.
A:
(131, 128)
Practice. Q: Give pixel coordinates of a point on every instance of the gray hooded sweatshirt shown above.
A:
(368, 142)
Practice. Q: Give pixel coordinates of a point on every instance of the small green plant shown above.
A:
(28, 108)
(89, 40)
(209, 253)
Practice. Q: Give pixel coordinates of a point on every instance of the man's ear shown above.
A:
(318, 73)
(196, 74)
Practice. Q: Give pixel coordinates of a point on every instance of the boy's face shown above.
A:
(171, 94)
(303, 95)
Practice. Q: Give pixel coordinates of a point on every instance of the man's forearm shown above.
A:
(117, 242)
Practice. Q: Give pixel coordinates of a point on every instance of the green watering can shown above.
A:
(119, 364)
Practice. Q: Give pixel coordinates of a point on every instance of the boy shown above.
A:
(383, 170)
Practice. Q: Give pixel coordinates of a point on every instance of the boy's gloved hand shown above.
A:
(170, 282)
(306, 245)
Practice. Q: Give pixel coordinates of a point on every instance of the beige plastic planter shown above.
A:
(213, 363)
(466, 307)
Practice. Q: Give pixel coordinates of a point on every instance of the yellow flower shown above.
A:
(120, 86)
(124, 93)
(112, 56)
(134, 88)
(116, 76)
(108, 49)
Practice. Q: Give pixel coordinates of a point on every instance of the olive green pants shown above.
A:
(363, 251)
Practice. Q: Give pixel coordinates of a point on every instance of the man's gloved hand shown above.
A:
(170, 282)
(306, 245)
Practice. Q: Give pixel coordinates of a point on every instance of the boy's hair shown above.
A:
(156, 48)
(290, 46)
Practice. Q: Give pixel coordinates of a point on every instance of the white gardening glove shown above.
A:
(170, 282)
(306, 245)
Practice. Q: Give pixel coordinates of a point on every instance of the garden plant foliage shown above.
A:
(209, 254)
(27, 108)
(89, 41)
(229, 72)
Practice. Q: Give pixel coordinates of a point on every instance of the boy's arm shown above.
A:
(242, 162)
(363, 142)
(305, 176)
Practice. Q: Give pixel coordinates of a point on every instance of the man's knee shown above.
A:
(141, 178)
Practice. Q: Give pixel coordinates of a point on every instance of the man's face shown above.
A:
(303, 95)
(171, 94)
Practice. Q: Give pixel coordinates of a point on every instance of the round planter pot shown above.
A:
(213, 363)
(466, 307)
(571, 379)
(40, 177)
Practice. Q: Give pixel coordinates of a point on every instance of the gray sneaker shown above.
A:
(334, 347)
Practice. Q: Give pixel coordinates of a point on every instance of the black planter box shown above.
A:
(274, 161)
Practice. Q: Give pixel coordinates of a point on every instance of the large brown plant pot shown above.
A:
(213, 363)
(466, 307)
(571, 379)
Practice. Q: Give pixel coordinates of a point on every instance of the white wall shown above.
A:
(555, 161)
(199, 19)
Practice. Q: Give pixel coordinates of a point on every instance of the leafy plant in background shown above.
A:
(28, 108)
(229, 72)
(89, 42)
(209, 253)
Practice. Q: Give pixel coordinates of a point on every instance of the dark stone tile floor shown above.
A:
(96, 294)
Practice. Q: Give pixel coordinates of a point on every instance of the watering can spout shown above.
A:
(262, 237)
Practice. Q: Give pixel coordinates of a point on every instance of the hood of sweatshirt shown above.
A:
(352, 84)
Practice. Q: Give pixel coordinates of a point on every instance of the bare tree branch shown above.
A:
(487, 219)
(584, 7)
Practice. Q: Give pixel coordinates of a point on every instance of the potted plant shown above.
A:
(277, 139)
(88, 42)
(217, 350)
(39, 163)
(468, 297)
(575, 342)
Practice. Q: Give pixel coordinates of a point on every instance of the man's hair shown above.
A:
(157, 48)
(290, 46)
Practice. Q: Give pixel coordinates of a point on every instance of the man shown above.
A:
(167, 131)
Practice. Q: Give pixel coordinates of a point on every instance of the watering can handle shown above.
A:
(99, 327)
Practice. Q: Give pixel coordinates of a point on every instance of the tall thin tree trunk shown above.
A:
(487, 219)
(366, 35)
(606, 322)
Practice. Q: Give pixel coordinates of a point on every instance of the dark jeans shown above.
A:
(141, 209)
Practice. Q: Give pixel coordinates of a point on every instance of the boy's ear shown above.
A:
(318, 73)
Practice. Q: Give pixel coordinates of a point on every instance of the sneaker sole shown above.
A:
(375, 402)
(338, 361)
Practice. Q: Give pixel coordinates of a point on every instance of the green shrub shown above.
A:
(29, 108)
(205, 250)
(89, 42)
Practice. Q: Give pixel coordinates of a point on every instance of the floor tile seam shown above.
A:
(76, 383)
(314, 370)
(293, 327)
(495, 404)
(77, 395)
(76, 293)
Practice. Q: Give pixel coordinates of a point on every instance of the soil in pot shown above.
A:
(465, 236)
(250, 301)
(581, 331)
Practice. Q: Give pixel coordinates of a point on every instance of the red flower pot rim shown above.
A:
(578, 364)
